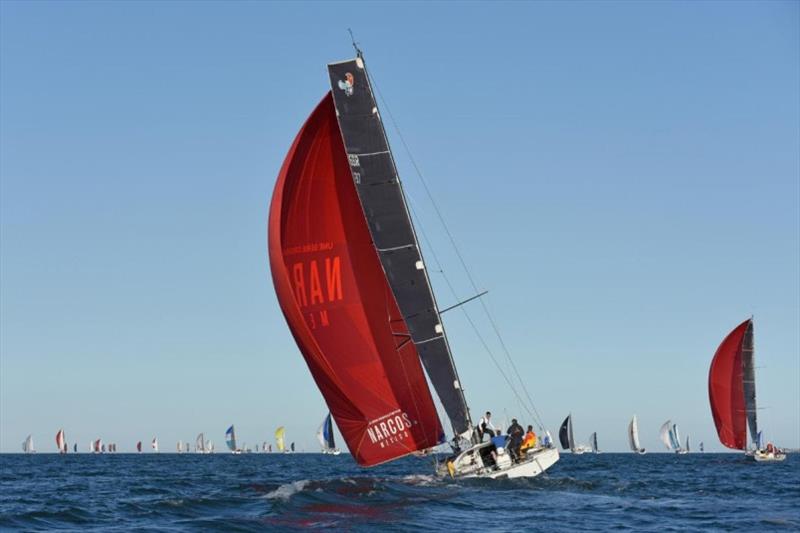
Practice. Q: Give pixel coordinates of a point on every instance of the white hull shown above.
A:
(767, 457)
(470, 464)
(640, 452)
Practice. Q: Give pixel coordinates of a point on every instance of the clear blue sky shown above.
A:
(623, 177)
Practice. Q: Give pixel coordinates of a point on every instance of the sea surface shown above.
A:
(256, 492)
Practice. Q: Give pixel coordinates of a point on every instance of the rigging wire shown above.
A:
(471, 279)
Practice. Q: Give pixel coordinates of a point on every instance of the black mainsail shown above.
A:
(392, 231)
(749, 382)
(565, 433)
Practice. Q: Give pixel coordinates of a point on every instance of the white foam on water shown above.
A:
(284, 492)
(421, 479)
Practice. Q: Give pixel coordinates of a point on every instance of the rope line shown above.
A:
(532, 411)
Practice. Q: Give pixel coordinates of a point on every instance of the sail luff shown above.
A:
(385, 207)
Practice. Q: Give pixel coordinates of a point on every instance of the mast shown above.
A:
(383, 201)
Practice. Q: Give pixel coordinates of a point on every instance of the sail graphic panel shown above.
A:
(338, 303)
(392, 231)
(726, 390)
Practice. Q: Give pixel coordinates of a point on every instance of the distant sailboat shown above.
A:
(269, 448)
(291, 447)
(325, 437)
(633, 436)
(230, 440)
(60, 444)
(702, 449)
(98, 446)
(279, 439)
(200, 444)
(180, 446)
(154, 444)
(186, 447)
(139, 446)
(565, 435)
(688, 449)
(670, 437)
(27, 445)
(75, 447)
(732, 394)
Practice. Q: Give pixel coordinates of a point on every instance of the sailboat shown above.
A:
(27, 445)
(565, 436)
(291, 447)
(74, 447)
(701, 447)
(354, 289)
(200, 444)
(687, 448)
(99, 446)
(732, 394)
(633, 436)
(60, 443)
(154, 444)
(139, 446)
(279, 439)
(593, 443)
(670, 437)
(180, 446)
(230, 440)
(325, 437)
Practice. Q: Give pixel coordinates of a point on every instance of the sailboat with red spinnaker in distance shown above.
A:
(353, 286)
(732, 394)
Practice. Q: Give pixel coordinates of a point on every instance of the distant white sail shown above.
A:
(664, 434)
(60, 443)
(27, 445)
(154, 444)
(200, 443)
(633, 434)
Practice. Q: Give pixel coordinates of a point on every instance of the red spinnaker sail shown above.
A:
(338, 304)
(726, 390)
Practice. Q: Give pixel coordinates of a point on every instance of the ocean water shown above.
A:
(256, 492)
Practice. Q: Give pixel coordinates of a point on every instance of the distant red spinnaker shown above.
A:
(726, 389)
(338, 303)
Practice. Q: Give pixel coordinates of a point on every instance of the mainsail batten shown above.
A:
(392, 231)
(338, 304)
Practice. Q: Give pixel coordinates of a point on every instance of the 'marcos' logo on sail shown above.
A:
(390, 428)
